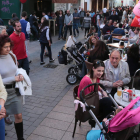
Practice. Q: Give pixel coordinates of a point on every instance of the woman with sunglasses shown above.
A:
(94, 76)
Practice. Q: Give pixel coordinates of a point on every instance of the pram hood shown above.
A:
(125, 118)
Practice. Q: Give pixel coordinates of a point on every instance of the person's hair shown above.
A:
(24, 14)
(11, 21)
(1, 28)
(120, 25)
(100, 49)
(5, 39)
(14, 23)
(105, 21)
(87, 14)
(96, 64)
(33, 13)
(114, 50)
(14, 15)
(61, 11)
(133, 51)
(44, 24)
(90, 42)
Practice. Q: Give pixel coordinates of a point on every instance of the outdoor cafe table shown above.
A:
(116, 45)
(124, 103)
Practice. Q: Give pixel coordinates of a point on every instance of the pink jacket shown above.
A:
(125, 118)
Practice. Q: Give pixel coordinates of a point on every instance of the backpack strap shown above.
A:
(14, 59)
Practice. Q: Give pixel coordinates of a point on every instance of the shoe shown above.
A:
(8, 120)
(51, 60)
(64, 39)
(41, 63)
(74, 35)
(5, 133)
(85, 37)
(30, 61)
(58, 38)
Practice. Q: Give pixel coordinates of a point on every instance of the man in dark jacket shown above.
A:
(32, 21)
(112, 27)
(114, 17)
(106, 28)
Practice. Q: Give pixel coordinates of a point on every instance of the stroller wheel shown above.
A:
(73, 70)
(72, 78)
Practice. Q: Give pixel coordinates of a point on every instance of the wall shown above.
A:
(59, 6)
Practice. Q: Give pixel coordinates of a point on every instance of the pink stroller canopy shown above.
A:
(126, 118)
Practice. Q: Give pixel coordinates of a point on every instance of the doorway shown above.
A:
(94, 4)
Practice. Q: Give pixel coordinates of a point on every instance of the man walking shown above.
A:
(68, 23)
(76, 17)
(25, 28)
(19, 48)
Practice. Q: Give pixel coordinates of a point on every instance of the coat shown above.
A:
(109, 77)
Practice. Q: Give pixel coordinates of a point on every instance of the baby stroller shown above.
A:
(122, 126)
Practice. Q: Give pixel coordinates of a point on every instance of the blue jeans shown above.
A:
(99, 32)
(60, 31)
(24, 63)
(66, 29)
(75, 26)
(43, 45)
(2, 129)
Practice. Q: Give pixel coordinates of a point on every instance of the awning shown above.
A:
(65, 1)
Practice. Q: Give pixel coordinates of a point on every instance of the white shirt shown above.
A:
(47, 33)
(104, 10)
(46, 16)
(116, 74)
(98, 17)
(79, 10)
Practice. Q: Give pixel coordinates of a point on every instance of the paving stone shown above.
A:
(32, 119)
(49, 132)
(68, 136)
(60, 116)
(32, 115)
(37, 137)
(43, 115)
(48, 108)
(30, 130)
(79, 129)
(55, 124)
(37, 122)
(65, 110)
(66, 103)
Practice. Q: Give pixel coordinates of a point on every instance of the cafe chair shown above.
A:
(115, 41)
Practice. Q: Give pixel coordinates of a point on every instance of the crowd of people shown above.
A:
(107, 66)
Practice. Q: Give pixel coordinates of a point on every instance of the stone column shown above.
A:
(97, 5)
(102, 4)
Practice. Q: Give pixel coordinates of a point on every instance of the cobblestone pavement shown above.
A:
(47, 114)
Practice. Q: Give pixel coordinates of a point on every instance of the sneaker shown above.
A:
(64, 39)
(8, 120)
(41, 63)
(74, 35)
(58, 38)
(85, 37)
(51, 60)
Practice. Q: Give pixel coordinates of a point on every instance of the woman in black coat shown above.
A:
(133, 58)
(60, 23)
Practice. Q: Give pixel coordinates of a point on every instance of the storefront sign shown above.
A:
(65, 1)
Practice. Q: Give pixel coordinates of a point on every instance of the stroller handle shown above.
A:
(82, 91)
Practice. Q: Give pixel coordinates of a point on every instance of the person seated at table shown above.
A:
(106, 28)
(92, 42)
(128, 26)
(138, 42)
(134, 38)
(133, 59)
(100, 52)
(112, 27)
(114, 17)
(94, 77)
(116, 72)
(116, 31)
(92, 31)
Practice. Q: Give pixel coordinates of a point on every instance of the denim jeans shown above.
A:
(66, 29)
(24, 63)
(99, 32)
(43, 45)
(75, 26)
(60, 31)
(2, 129)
